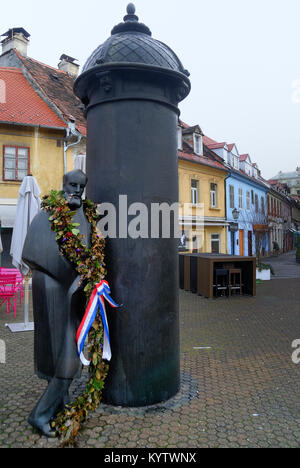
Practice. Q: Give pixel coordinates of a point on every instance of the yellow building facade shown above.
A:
(42, 131)
(45, 161)
(202, 216)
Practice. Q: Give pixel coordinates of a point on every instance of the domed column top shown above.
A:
(131, 46)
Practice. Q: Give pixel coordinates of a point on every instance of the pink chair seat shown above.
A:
(19, 279)
(9, 292)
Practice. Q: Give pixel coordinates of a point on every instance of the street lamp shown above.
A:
(235, 214)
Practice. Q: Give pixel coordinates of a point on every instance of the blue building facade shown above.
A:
(246, 212)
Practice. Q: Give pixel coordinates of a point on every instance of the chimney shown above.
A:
(15, 38)
(67, 64)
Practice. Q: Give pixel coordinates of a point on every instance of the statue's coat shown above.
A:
(58, 301)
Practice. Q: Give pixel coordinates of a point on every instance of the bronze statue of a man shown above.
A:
(58, 306)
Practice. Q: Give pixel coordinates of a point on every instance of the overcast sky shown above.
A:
(243, 56)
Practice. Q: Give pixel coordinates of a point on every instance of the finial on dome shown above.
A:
(130, 9)
(131, 13)
(131, 23)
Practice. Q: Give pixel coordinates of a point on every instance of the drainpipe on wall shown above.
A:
(225, 192)
(70, 131)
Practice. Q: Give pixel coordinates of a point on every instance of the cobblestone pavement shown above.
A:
(242, 391)
(285, 265)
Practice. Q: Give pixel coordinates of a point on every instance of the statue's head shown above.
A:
(74, 183)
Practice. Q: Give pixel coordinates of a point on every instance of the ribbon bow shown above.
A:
(99, 295)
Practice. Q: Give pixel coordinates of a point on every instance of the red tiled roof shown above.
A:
(243, 157)
(216, 145)
(230, 146)
(208, 141)
(200, 160)
(183, 124)
(21, 104)
(57, 86)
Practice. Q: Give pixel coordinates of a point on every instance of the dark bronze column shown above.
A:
(131, 86)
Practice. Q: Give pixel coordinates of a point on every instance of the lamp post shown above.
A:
(234, 228)
(235, 214)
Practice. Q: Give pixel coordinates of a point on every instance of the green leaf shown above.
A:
(98, 384)
(76, 232)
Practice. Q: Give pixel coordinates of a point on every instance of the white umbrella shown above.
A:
(28, 207)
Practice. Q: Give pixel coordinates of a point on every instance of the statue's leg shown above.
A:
(52, 401)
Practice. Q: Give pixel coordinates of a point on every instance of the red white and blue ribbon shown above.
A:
(99, 295)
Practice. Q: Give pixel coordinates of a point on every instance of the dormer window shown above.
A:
(179, 137)
(254, 172)
(198, 144)
(248, 169)
(235, 161)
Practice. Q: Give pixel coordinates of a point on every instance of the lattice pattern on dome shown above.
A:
(134, 48)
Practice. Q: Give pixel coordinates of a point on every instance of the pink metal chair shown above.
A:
(9, 292)
(19, 281)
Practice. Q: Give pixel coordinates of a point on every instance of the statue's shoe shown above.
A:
(44, 429)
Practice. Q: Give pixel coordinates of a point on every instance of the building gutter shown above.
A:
(18, 124)
(70, 131)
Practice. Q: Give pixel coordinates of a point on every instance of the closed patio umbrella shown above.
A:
(28, 207)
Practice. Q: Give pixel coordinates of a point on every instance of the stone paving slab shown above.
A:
(242, 391)
(285, 265)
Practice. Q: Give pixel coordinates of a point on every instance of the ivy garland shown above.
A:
(90, 265)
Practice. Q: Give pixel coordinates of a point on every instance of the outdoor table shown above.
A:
(196, 272)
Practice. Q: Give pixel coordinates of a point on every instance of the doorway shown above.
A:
(232, 243)
(241, 242)
(250, 243)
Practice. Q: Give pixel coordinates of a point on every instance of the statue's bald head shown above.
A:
(74, 183)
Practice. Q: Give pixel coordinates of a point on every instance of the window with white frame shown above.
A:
(247, 168)
(198, 144)
(213, 195)
(240, 198)
(215, 243)
(15, 162)
(248, 200)
(231, 196)
(194, 191)
(235, 161)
